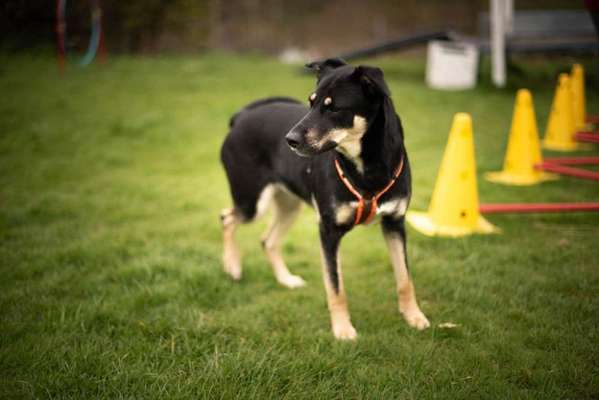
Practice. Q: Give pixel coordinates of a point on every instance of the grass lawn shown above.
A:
(110, 190)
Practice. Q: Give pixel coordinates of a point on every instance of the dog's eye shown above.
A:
(330, 106)
(312, 98)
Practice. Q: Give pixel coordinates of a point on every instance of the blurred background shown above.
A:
(270, 26)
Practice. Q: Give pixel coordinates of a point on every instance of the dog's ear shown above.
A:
(392, 134)
(373, 83)
(323, 67)
(372, 80)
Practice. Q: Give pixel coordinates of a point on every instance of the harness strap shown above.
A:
(373, 201)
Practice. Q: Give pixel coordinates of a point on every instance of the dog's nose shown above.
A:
(293, 139)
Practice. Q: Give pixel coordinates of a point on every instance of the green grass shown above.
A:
(110, 189)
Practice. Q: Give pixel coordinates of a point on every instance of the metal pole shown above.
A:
(509, 17)
(497, 23)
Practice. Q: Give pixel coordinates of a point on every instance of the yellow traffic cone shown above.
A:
(523, 148)
(453, 210)
(561, 128)
(578, 97)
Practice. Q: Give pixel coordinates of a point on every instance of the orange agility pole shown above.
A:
(538, 208)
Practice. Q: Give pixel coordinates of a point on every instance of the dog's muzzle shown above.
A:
(297, 144)
(294, 139)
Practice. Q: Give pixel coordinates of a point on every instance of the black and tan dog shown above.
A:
(344, 155)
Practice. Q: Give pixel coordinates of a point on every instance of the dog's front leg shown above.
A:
(330, 237)
(395, 236)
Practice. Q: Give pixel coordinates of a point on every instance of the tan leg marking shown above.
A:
(265, 200)
(337, 303)
(231, 255)
(286, 209)
(408, 306)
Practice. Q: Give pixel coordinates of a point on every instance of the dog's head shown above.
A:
(346, 101)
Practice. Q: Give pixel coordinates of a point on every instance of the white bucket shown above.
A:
(451, 65)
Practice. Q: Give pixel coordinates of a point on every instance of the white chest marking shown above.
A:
(396, 208)
(345, 212)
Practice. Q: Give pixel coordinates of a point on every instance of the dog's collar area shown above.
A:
(363, 216)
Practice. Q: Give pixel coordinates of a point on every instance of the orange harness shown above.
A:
(371, 203)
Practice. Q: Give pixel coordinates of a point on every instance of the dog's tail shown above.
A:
(262, 102)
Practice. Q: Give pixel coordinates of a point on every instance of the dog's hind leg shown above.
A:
(230, 219)
(395, 236)
(286, 209)
(251, 203)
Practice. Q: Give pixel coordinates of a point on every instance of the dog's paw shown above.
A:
(234, 273)
(345, 332)
(416, 319)
(232, 267)
(292, 281)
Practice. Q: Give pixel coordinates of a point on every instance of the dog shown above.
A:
(345, 156)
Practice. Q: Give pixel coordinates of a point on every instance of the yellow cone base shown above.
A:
(560, 146)
(508, 178)
(568, 146)
(423, 223)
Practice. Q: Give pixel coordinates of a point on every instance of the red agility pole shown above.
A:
(96, 40)
(510, 208)
(593, 119)
(60, 33)
(559, 165)
(587, 136)
(570, 171)
(573, 160)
